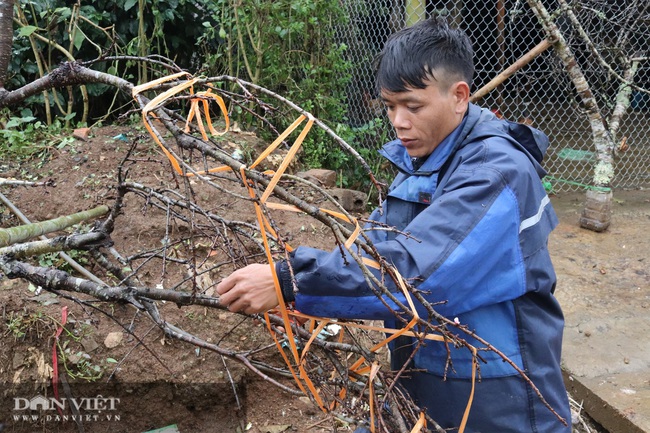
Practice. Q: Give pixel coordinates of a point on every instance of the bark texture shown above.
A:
(17, 234)
(68, 74)
(6, 38)
(603, 143)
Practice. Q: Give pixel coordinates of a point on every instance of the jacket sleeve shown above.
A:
(462, 252)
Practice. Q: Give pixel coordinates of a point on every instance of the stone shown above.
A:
(89, 344)
(326, 178)
(274, 160)
(113, 339)
(81, 134)
(19, 359)
(276, 428)
(351, 200)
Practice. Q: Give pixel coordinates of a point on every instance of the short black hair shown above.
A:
(412, 54)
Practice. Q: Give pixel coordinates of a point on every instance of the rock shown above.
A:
(326, 178)
(113, 339)
(81, 134)
(19, 359)
(89, 344)
(306, 405)
(274, 160)
(305, 400)
(351, 200)
(45, 298)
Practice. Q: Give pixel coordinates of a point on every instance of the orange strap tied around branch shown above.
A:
(374, 369)
(194, 111)
(288, 316)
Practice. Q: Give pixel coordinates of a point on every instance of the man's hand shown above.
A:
(249, 290)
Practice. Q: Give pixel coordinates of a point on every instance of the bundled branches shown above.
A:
(200, 241)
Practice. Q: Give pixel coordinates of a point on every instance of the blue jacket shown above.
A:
(473, 221)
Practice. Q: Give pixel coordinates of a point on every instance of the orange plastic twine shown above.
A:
(297, 363)
(195, 110)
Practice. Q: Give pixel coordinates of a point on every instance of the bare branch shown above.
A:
(18, 234)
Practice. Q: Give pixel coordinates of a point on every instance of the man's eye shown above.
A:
(414, 108)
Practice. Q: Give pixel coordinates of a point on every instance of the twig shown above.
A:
(126, 329)
(232, 382)
(14, 182)
(317, 423)
(140, 342)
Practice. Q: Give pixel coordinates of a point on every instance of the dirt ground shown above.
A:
(162, 382)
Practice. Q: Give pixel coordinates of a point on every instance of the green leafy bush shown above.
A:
(24, 136)
(286, 46)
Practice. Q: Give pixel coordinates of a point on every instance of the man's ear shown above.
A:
(460, 90)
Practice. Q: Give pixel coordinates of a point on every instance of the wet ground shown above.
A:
(604, 288)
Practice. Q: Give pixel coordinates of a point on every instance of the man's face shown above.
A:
(423, 118)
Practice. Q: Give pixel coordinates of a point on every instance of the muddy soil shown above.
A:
(115, 352)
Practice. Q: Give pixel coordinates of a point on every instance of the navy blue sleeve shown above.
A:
(284, 278)
(462, 252)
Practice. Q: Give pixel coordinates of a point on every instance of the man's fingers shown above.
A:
(226, 284)
(238, 306)
(250, 289)
(226, 299)
(243, 304)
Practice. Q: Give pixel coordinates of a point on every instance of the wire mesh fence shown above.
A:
(613, 36)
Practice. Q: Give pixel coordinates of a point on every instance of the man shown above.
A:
(469, 195)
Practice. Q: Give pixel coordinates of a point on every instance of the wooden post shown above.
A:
(501, 42)
(520, 63)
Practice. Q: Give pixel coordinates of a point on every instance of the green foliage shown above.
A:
(55, 260)
(16, 325)
(286, 46)
(77, 363)
(26, 137)
(365, 139)
(103, 27)
(80, 365)
(164, 27)
(21, 324)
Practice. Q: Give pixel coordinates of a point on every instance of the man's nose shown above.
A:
(401, 119)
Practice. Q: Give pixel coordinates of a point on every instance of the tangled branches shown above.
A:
(200, 208)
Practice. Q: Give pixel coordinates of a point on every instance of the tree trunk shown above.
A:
(596, 214)
(6, 37)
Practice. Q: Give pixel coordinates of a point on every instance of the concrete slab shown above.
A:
(604, 289)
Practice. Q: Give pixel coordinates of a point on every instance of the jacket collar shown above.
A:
(396, 153)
